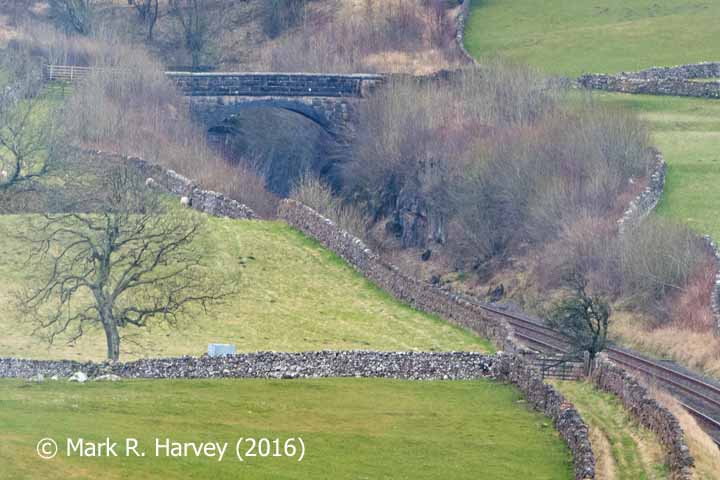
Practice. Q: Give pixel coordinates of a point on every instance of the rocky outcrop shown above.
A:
(637, 400)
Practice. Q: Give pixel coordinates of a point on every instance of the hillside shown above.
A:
(569, 38)
(294, 296)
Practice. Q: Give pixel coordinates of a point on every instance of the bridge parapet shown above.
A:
(275, 84)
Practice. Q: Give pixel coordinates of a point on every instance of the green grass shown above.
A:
(294, 296)
(570, 37)
(687, 131)
(352, 428)
(625, 450)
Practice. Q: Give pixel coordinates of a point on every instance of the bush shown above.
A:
(279, 15)
(316, 194)
(489, 159)
(658, 258)
(129, 106)
(349, 38)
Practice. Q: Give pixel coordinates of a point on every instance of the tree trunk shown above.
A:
(113, 340)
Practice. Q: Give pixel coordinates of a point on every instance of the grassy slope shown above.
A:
(573, 36)
(294, 296)
(570, 37)
(352, 429)
(625, 450)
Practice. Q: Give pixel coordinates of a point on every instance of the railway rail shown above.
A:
(700, 397)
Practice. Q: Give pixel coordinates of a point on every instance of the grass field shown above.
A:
(352, 428)
(294, 296)
(570, 37)
(624, 450)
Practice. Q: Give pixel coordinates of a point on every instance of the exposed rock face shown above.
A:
(417, 225)
(656, 418)
(400, 365)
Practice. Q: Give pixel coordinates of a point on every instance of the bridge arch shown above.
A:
(333, 115)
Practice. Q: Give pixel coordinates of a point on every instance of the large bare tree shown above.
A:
(127, 262)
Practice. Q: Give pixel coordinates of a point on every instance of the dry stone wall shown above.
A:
(462, 19)
(637, 400)
(678, 81)
(543, 397)
(648, 199)
(400, 365)
(207, 201)
(715, 294)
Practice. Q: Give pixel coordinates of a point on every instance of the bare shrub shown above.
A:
(585, 244)
(129, 106)
(690, 309)
(658, 258)
(347, 40)
(489, 159)
(313, 192)
(280, 15)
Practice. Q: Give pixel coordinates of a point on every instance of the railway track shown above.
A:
(700, 397)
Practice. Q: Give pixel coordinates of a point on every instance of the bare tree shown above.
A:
(129, 263)
(194, 19)
(584, 318)
(27, 131)
(149, 12)
(74, 15)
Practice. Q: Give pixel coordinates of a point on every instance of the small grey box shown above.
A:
(220, 349)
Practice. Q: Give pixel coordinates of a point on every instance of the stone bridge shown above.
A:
(329, 100)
